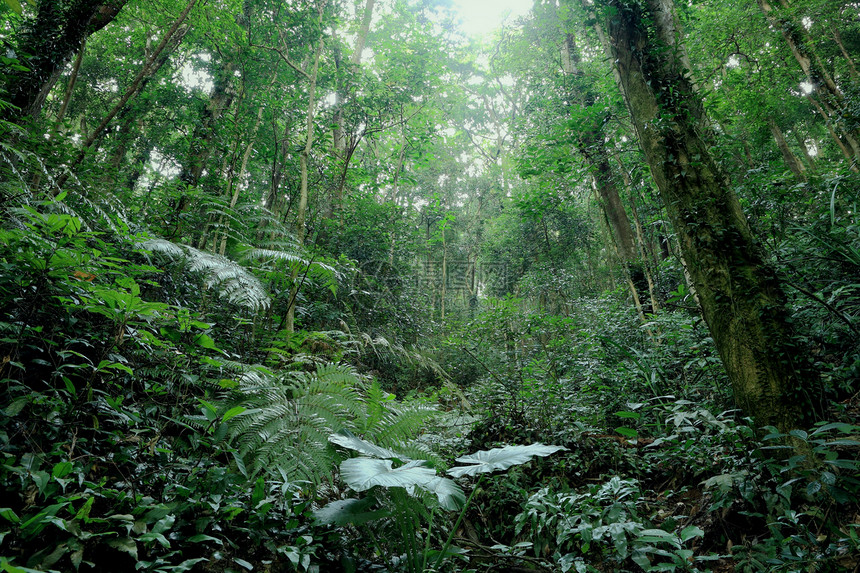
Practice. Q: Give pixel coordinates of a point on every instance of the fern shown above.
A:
(234, 282)
(288, 419)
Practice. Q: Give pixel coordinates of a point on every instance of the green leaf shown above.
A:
(62, 469)
(151, 536)
(124, 544)
(164, 524)
(200, 537)
(259, 492)
(800, 434)
(633, 415)
(15, 6)
(690, 532)
(205, 341)
(9, 515)
(350, 441)
(84, 512)
(841, 426)
(362, 474)
(232, 413)
(496, 459)
(7, 567)
(627, 432)
(449, 494)
(186, 565)
(658, 536)
(349, 511)
(15, 407)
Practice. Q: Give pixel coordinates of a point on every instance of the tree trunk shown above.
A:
(304, 156)
(810, 162)
(47, 44)
(742, 301)
(342, 151)
(837, 37)
(590, 142)
(640, 240)
(202, 141)
(791, 160)
(70, 88)
(236, 182)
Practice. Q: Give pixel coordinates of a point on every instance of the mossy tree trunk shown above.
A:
(590, 141)
(741, 298)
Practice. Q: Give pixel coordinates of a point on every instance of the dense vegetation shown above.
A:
(328, 285)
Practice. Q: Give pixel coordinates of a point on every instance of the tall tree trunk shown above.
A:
(236, 181)
(788, 156)
(304, 156)
(202, 140)
(70, 88)
(590, 142)
(810, 162)
(46, 44)
(742, 301)
(342, 151)
(640, 239)
(849, 155)
(837, 37)
(802, 47)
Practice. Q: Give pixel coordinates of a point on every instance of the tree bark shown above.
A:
(342, 151)
(304, 156)
(742, 300)
(590, 142)
(73, 79)
(202, 141)
(810, 162)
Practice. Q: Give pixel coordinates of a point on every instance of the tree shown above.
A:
(47, 43)
(741, 298)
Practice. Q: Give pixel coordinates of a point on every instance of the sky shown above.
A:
(483, 16)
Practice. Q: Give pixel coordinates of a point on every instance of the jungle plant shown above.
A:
(287, 418)
(606, 522)
(411, 492)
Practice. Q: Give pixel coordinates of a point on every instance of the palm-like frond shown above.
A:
(234, 282)
(288, 419)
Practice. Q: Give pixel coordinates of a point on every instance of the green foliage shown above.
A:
(401, 492)
(500, 459)
(158, 414)
(604, 523)
(286, 420)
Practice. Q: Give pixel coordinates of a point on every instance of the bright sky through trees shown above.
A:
(481, 17)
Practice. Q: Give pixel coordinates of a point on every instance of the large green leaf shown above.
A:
(350, 441)
(362, 474)
(448, 493)
(486, 461)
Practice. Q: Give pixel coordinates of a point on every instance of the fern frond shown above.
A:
(288, 419)
(233, 281)
(162, 246)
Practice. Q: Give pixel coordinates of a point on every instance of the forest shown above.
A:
(340, 286)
